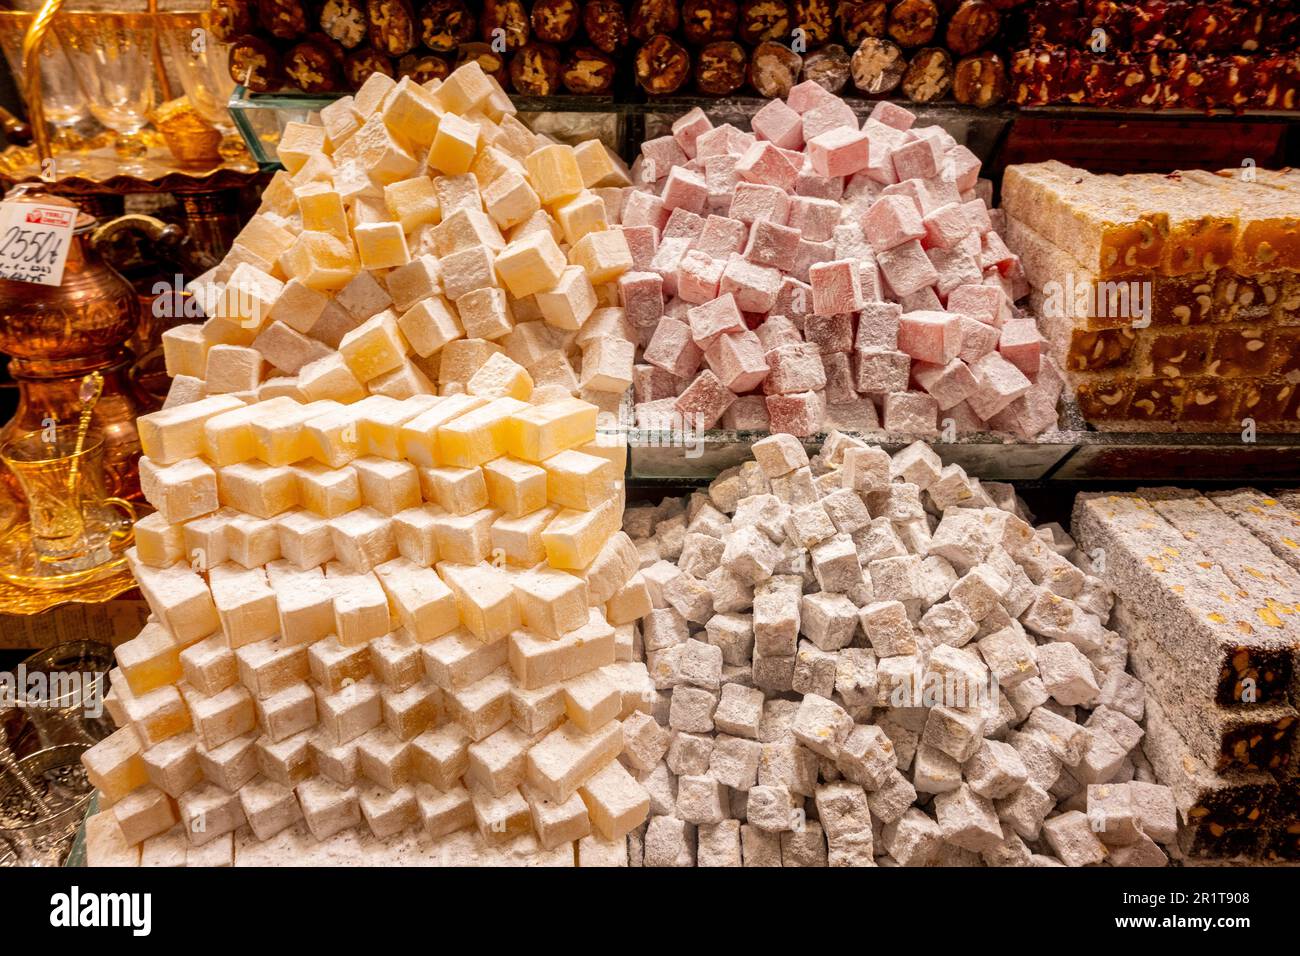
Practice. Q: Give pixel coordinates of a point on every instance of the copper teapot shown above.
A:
(56, 335)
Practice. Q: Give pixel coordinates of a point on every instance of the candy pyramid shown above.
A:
(386, 572)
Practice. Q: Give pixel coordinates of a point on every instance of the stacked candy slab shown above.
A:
(813, 274)
(407, 611)
(415, 232)
(386, 571)
(866, 660)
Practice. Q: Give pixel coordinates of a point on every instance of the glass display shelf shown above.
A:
(1070, 452)
(628, 117)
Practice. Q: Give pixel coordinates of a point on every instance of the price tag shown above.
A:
(34, 241)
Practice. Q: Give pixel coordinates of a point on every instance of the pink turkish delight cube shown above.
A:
(772, 245)
(998, 383)
(747, 413)
(839, 378)
(698, 275)
(836, 287)
(755, 201)
(841, 151)
(642, 294)
(937, 191)
(702, 403)
(881, 371)
(1021, 345)
(884, 140)
(659, 415)
(919, 159)
(808, 255)
(642, 241)
(711, 319)
(804, 96)
(644, 209)
(778, 124)
(933, 337)
(765, 163)
(799, 414)
(964, 420)
(878, 326)
(977, 339)
(796, 367)
(737, 360)
(684, 189)
(664, 151)
(793, 300)
(978, 216)
(910, 189)
(911, 413)
(997, 254)
(892, 221)
(721, 236)
(672, 349)
(906, 268)
(965, 166)
(682, 224)
(755, 287)
(947, 384)
(946, 226)
(815, 218)
(984, 302)
(830, 114)
(955, 266)
(777, 330)
(688, 128)
(830, 333)
(859, 415)
(668, 260)
(891, 114)
(650, 384)
(924, 300)
(714, 142)
(809, 183)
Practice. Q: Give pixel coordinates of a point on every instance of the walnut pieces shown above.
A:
(445, 24)
(704, 21)
(588, 72)
(764, 20)
(929, 76)
(662, 65)
(345, 22)
(283, 19)
(313, 66)
(878, 66)
(535, 69)
(359, 65)
(489, 60)
(859, 19)
(774, 69)
(830, 67)
(228, 19)
(720, 68)
(913, 22)
(505, 24)
(653, 17)
(422, 69)
(255, 64)
(555, 21)
(815, 18)
(972, 27)
(980, 80)
(392, 26)
(605, 24)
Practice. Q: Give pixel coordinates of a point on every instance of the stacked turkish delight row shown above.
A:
(1208, 606)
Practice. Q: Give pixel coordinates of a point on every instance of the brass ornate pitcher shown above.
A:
(56, 335)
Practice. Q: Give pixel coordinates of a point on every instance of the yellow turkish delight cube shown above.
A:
(574, 538)
(540, 431)
(479, 435)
